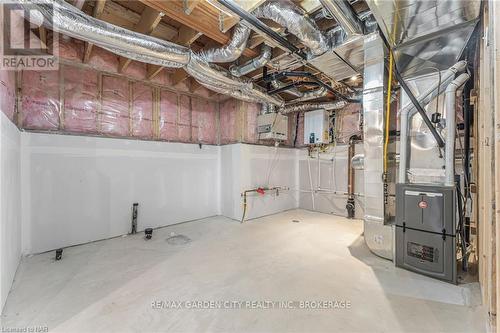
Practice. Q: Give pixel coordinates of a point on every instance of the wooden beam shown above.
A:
(255, 41)
(43, 38)
(97, 12)
(150, 18)
(178, 76)
(194, 85)
(204, 18)
(153, 70)
(78, 3)
(310, 5)
(227, 22)
(189, 5)
(187, 36)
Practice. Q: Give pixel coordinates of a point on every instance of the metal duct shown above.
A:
(378, 235)
(342, 12)
(313, 106)
(212, 74)
(409, 110)
(294, 19)
(426, 34)
(231, 51)
(69, 20)
(253, 64)
(276, 84)
(313, 94)
(351, 205)
(450, 102)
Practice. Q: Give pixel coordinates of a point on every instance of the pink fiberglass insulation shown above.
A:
(300, 131)
(204, 121)
(185, 118)
(136, 70)
(168, 115)
(142, 111)
(103, 60)
(70, 49)
(80, 100)
(228, 112)
(348, 122)
(40, 101)
(8, 93)
(114, 117)
(252, 110)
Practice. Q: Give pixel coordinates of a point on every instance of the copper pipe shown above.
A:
(350, 206)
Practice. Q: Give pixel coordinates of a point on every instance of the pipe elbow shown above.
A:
(253, 64)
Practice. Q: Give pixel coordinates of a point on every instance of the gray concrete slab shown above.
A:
(274, 262)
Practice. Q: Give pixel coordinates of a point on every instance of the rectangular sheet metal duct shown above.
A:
(378, 235)
(426, 34)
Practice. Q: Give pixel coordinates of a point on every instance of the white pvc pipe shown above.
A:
(409, 110)
(451, 124)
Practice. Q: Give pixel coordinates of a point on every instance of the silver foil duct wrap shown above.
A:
(68, 20)
(253, 64)
(313, 106)
(231, 51)
(313, 94)
(292, 90)
(295, 20)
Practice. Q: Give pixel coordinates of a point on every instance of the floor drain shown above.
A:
(178, 240)
(295, 221)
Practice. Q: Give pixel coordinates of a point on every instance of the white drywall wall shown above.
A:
(78, 189)
(245, 167)
(333, 178)
(10, 204)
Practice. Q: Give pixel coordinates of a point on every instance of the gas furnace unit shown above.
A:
(426, 230)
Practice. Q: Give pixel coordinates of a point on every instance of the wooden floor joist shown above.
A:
(204, 18)
(149, 20)
(97, 12)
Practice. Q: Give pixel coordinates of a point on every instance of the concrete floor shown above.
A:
(109, 286)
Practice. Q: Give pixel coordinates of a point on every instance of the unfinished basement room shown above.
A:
(249, 166)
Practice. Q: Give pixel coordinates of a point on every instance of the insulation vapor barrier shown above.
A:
(84, 101)
(7, 93)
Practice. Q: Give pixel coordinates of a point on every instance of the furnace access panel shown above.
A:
(426, 229)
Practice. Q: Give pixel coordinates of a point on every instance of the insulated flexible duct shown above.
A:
(253, 64)
(294, 19)
(313, 106)
(64, 18)
(276, 84)
(344, 15)
(313, 94)
(231, 51)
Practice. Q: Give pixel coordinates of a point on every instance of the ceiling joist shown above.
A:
(149, 20)
(97, 12)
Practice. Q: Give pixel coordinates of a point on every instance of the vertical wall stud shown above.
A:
(99, 102)
(130, 108)
(19, 105)
(61, 97)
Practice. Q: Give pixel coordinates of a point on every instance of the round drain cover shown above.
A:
(178, 240)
